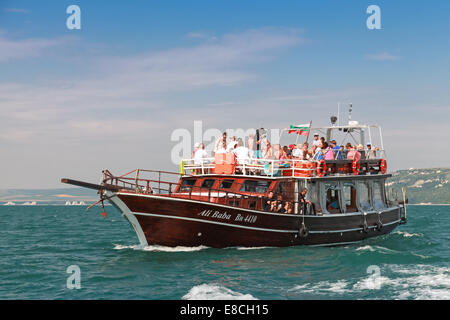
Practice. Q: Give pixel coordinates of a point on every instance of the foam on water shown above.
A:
(420, 282)
(215, 292)
(378, 249)
(408, 235)
(157, 248)
(340, 286)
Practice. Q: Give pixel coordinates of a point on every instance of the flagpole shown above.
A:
(307, 137)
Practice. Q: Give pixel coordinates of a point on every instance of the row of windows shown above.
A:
(257, 186)
(351, 197)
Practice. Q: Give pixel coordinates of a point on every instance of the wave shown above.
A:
(252, 248)
(340, 286)
(215, 292)
(157, 248)
(420, 282)
(408, 235)
(379, 249)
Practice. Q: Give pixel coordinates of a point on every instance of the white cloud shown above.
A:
(25, 48)
(139, 82)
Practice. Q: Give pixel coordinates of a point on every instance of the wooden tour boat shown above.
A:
(222, 201)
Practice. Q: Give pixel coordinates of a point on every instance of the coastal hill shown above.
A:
(423, 186)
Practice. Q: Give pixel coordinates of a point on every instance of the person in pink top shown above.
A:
(328, 152)
(352, 153)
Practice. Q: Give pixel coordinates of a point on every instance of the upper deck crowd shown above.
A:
(258, 146)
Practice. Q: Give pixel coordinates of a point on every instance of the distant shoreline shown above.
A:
(428, 204)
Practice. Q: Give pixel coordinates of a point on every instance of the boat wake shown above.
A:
(420, 282)
(215, 292)
(408, 235)
(252, 248)
(378, 249)
(157, 248)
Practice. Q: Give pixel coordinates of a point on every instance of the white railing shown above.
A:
(253, 166)
(263, 167)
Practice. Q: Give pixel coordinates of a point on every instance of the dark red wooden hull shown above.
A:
(173, 222)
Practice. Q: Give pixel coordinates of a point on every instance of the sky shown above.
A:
(112, 94)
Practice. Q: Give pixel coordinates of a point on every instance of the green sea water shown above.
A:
(38, 244)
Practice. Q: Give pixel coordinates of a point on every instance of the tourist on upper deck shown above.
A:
(260, 136)
(343, 152)
(297, 151)
(251, 144)
(268, 152)
(328, 153)
(200, 154)
(316, 141)
(305, 152)
(371, 153)
(318, 153)
(232, 144)
(196, 145)
(361, 150)
(221, 144)
(291, 148)
(336, 149)
(352, 153)
(287, 152)
(242, 153)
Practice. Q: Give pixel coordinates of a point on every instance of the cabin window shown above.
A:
(286, 188)
(332, 191)
(364, 196)
(255, 186)
(208, 183)
(187, 184)
(378, 202)
(280, 188)
(226, 184)
(234, 203)
(349, 193)
(312, 194)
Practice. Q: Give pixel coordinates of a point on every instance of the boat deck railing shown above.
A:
(282, 168)
(134, 182)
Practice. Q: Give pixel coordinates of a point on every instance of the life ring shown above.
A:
(321, 168)
(303, 232)
(356, 166)
(383, 166)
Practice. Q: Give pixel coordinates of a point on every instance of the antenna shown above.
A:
(339, 116)
(350, 113)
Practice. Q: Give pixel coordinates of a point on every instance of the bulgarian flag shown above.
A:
(302, 129)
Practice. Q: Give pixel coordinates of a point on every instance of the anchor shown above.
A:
(103, 213)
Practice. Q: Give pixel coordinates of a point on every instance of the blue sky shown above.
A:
(109, 95)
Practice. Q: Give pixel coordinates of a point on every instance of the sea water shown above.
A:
(40, 246)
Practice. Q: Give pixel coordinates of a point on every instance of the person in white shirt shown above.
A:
(316, 142)
(221, 144)
(297, 151)
(232, 144)
(200, 154)
(242, 153)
